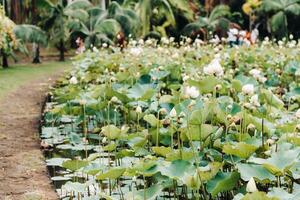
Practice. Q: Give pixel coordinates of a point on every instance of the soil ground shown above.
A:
(23, 174)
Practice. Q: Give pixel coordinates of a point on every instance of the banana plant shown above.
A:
(279, 11)
(216, 19)
(32, 34)
(59, 15)
(104, 25)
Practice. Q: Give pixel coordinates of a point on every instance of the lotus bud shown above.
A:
(298, 127)
(228, 117)
(251, 186)
(115, 99)
(138, 110)
(251, 127)
(270, 142)
(73, 80)
(104, 140)
(163, 111)
(104, 45)
(82, 102)
(218, 87)
(297, 114)
(134, 179)
(229, 107)
(173, 113)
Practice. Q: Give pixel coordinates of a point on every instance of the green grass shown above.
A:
(19, 74)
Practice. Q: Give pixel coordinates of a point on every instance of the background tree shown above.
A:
(279, 11)
(8, 40)
(217, 19)
(57, 18)
(32, 34)
(158, 15)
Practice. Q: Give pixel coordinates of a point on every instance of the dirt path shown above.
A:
(23, 174)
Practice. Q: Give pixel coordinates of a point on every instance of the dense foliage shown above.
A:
(161, 122)
(8, 41)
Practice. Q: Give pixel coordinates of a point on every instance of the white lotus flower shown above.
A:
(104, 45)
(141, 42)
(255, 73)
(254, 100)
(185, 78)
(138, 109)
(248, 89)
(270, 141)
(251, 186)
(298, 113)
(214, 68)
(192, 92)
(73, 80)
(173, 113)
(115, 99)
(95, 50)
(136, 51)
(134, 179)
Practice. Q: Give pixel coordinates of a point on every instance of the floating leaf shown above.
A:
(74, 165)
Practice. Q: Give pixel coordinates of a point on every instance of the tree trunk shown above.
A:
(15, 9)
(33, 12)
(61, 51)
(103, 4)
(4, 60)
(36, 57)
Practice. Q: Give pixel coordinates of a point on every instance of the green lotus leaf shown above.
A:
(110, 147)
(56, 161)
(151, 119)
(75, 186)
(222, 182)
(210, 171)
(141, 91)
(248, 171)
(271, 99)
(197, 133)
(111, 131)
(258, 196)
(74, 165)
(280, 161)
(240, 149)
(162, 151)
(150, 193)
(113, 173)
(184, 155)
(175, 169)
(281, 194)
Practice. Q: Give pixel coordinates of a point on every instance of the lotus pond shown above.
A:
(167, 122)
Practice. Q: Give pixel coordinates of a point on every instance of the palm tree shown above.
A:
(279, 11)
(32, 34)
(204, 25)
(58, 17)
(103, 25)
